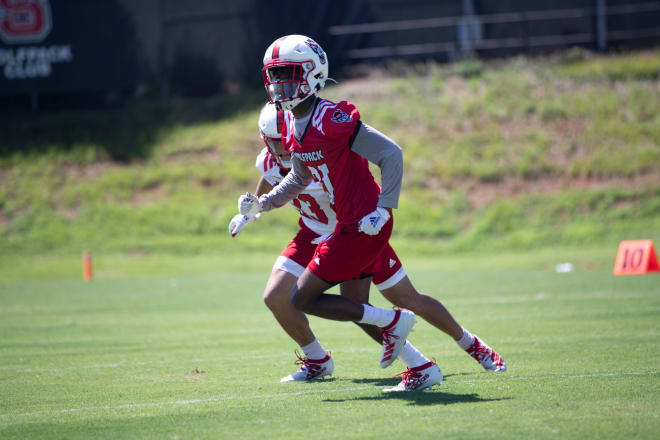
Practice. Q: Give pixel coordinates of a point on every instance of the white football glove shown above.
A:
(371, 224)
(248, 204)
(239, 221)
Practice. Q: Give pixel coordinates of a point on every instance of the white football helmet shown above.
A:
(295, 68)
(270, 129)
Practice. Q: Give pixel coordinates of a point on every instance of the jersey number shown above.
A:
(321, 173)
(309, 207)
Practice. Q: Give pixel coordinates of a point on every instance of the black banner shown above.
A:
(66, 46)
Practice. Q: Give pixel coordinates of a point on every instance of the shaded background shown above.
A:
(165, 48)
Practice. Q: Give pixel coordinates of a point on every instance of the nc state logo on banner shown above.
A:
(24, 21)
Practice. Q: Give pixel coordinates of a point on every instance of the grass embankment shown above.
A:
(518, 153)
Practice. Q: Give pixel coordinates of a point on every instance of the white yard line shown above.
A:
(138, 363)
(320, 392)
(190, 362)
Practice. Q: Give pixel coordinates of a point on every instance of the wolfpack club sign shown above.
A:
(24, 21)
(28, 22)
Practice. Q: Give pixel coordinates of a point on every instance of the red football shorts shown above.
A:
(298, 253)
(389, 270)
(349, 254)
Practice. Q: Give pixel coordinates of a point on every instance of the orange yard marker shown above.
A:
(87, 266)
(636, 257)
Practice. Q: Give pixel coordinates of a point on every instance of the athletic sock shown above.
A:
(376, 316)
(313, 350)
(410, 356)
(466, 340)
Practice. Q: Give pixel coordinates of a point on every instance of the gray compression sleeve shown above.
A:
(382, 151)
(289, 188)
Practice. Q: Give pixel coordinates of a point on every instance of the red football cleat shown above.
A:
(394, 336)
(486, 356)
(311, 369)
(418, 378)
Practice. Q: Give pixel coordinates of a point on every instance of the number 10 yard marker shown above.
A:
(636, 257)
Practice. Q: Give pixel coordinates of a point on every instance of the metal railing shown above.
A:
(466, 40)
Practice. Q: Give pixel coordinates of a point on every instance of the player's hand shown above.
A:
(248, 204)
(238, 222)
(371, 224)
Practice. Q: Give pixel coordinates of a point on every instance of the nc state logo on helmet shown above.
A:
(295, 68)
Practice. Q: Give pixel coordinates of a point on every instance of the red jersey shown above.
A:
(325, 149)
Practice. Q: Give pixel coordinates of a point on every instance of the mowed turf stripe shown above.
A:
(326, 391)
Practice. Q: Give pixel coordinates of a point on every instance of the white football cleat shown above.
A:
(418, 378)
(311, 369)
(394, 336)
(486, 356)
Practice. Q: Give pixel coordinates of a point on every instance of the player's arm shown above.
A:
(382, 151)
(293, 184)
(263, 187)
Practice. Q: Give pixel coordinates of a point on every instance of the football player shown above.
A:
(317, 219)
(330, 145)
(390, 278)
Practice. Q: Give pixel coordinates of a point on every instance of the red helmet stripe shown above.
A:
(276, 48)
(280, 120)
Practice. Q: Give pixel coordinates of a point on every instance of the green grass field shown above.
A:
(116, 358)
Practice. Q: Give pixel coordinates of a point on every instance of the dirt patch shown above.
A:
(195, 374)
(209, 152)
(483, 194)
(239, 147)
(144, 196)
(68, 212)
(91, 171)
(4, 220)
(4, 174)
(566, 147)
(375, 83)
